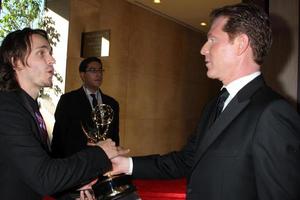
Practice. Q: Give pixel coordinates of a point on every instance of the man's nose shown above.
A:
(51, 60)
(204, 50)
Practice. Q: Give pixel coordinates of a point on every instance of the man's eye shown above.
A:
(41, 53)
(92, 70)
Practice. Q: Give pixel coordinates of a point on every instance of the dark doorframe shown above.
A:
(265, 5)
(298, 86)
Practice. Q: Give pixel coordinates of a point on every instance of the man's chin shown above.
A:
(48, 85)
(96, 86)
(98, 83)
(209, 75)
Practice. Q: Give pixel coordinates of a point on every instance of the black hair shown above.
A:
(84, 64)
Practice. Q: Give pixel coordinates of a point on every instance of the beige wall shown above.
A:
(154, 70)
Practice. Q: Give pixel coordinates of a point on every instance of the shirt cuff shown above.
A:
(130, 166)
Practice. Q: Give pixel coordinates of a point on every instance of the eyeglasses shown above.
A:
(94, 71)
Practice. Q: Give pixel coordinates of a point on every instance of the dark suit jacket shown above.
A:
(27, 170)
(251, 152)
(72, 109)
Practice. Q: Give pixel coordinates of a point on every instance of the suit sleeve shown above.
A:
(276, 153)
(31, 163)
(172, 165)
(175, 164)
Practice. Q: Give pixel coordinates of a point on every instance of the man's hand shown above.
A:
(86, 191)
(110, 148)
(87, 195)
(121, 164)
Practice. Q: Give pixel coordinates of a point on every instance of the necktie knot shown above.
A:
(94, 100)
(223, 95)
(220, 102)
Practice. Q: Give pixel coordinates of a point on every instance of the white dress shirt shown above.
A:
(235, 86)
(97, 95)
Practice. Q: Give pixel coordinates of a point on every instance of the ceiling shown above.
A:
(189, 13)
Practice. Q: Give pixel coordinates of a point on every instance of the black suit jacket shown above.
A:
(72, 109)
(251, 152)
(26, 169)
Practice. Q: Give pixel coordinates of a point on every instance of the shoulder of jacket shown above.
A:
(71, 93)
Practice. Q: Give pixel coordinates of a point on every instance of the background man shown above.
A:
(27, 169)
(75, 107)
(251, 150)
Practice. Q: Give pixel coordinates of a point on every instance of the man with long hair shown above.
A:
(27, 169)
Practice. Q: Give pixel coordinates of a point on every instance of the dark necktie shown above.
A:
(220, 102)
(94, 101)
(42, 127)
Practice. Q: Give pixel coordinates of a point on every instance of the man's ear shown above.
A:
(17, 64)
(242, 42)
(81, 74)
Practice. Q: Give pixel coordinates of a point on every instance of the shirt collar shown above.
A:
(235, 86)
(88, 92)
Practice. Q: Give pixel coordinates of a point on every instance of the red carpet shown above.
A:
(158, 189)
(48, 198)
(161, 189)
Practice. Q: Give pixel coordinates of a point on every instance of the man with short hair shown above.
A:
(74, 109)
(247, 143)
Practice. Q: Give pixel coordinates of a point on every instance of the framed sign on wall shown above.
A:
(95, 43)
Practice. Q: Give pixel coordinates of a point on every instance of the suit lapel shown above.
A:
(104, 98)
(236, 106)
(83, 98)
(24, 101)
(212, 133)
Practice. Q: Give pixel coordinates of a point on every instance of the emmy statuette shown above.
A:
(108, 187)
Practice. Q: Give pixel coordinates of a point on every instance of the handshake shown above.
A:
(120, 164)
